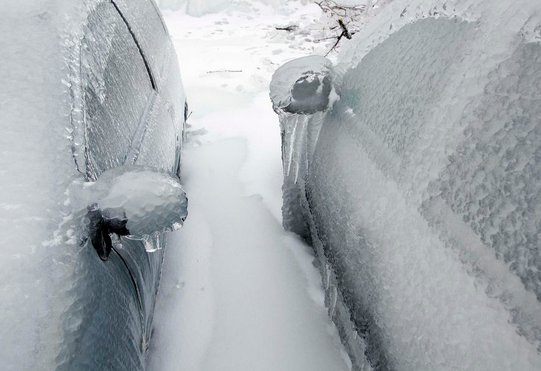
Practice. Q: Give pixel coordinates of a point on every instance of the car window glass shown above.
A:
(116, 86)
(149, 29)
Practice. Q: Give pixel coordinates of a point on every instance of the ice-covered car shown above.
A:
(92, 112)
(419, 184)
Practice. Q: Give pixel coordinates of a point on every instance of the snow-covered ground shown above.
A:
(238, 293)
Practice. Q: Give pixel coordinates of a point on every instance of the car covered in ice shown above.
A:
(413, 167)
(92, 115)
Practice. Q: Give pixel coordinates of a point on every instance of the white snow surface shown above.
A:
(238, 292)
(198, 8)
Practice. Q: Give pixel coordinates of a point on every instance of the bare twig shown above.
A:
(331, 7)
(347, 16)
(218, 71)
(287, 28)
(345, 33)
(335, 44)
(325, 38)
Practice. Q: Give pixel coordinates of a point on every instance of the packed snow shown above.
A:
(238, 292)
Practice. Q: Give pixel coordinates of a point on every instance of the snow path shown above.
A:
(238, 293)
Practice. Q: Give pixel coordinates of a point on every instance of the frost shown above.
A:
(303, 86)
(133, 201)
(63, 308)
(421, 188)
(301, 92)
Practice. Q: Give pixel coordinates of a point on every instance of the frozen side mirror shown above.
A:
(133, 201)
(303, 86)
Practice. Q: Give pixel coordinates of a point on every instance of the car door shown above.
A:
(109, 322)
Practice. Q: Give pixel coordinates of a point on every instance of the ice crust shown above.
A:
(422, 194)
(62, 308)
(109, 78)
(301, 92)
(152, 201)
(302, 86)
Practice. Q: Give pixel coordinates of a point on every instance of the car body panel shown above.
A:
(65, 309)
(421, 195)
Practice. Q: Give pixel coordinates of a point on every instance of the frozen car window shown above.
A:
(117, 87)
(150, 32)
(160, 146)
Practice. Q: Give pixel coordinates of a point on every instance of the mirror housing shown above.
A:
(133, 201)
(303, 86)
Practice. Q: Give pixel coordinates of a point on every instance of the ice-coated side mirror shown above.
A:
(303, 86)
(132, 201)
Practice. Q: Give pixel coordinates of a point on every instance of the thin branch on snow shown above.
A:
(218, 71)
(345, 33)
(325, 38)
(343, 11)
(345, 16)
(287, 28)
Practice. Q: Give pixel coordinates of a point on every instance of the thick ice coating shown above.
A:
(303, 86)
(422, 193)
(71, 108)
(301, 92)
(152, 201)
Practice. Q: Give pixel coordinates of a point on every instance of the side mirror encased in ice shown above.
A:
(132, 201)
(303, 86)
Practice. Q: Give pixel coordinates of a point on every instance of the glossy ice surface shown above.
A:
(422, 196)
(152, 201)
(303, 86)
(77, 98)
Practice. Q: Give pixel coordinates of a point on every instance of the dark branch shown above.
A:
(218, 71)
(287, 28)
(344, 28)
(345, 33)
(330, 6)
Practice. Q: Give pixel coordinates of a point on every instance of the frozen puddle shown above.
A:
(238, 293)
